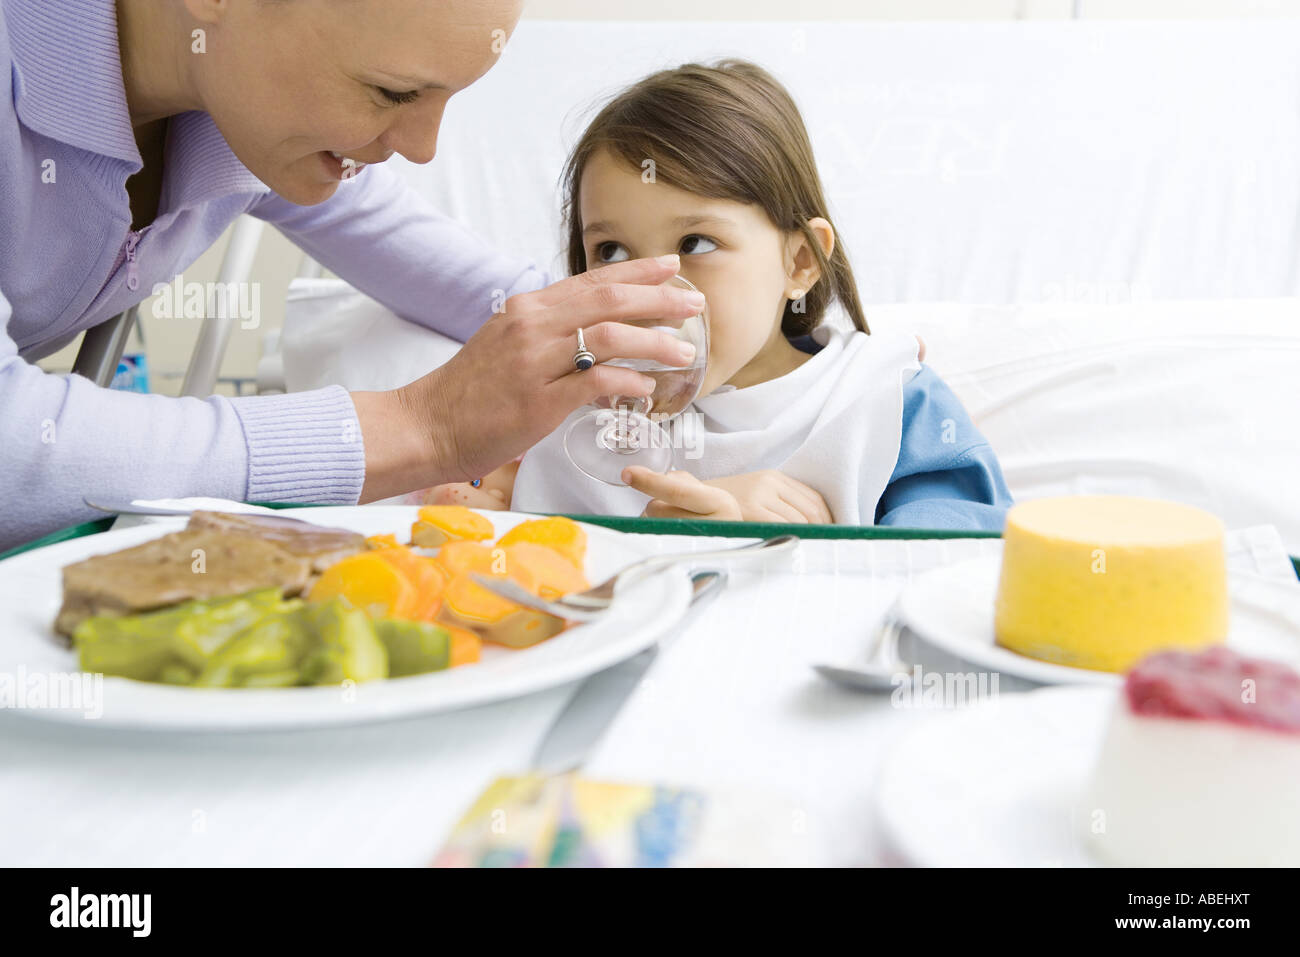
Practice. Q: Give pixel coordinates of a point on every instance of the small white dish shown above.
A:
(31, 653)
(951, 608)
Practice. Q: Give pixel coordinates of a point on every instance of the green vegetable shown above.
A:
(414, 647)
(176, 675)
(274, 644)
(259, 640)
(182, 636)
(349, 649)
(204, 626)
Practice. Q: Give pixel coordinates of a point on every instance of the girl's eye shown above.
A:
(393, 96)
(698, 244)
(611, 253)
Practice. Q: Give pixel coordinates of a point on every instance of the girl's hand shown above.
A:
(462, 493)
(494, 490)
(773, 496)
(682, 495)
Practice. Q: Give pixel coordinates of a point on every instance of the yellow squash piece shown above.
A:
(437, 525)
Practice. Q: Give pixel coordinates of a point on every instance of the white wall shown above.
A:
(169, 341)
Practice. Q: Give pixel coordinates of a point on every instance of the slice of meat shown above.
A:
(218, 553)
(194, 563)
(320, 545)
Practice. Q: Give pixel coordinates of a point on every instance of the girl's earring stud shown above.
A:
(796, 293)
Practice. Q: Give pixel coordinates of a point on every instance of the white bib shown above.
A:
(834, 423)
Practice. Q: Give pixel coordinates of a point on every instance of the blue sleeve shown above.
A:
(947, 475)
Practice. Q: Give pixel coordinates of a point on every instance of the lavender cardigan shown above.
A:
(69, 260)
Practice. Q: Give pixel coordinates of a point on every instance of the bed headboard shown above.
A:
(1085, 161)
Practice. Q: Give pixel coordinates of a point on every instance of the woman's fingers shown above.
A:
(515, 380)
(650, 272)
(618, 340)
(584, 388)
(622, 302)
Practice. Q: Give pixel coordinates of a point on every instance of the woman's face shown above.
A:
(290, 82)
(729, 250)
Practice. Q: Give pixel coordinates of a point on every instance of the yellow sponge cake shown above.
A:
(1100, 581)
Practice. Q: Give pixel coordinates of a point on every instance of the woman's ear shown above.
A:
(802, 268)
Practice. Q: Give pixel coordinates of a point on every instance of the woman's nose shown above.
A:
(415, 133)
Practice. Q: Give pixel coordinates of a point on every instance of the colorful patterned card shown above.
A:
(567, 821)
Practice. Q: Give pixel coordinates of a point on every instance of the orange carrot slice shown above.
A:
(370, 583)
(564, 535)
(424, 573)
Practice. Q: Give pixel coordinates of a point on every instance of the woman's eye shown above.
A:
(698, 244)
(611, 253)
(394, 96)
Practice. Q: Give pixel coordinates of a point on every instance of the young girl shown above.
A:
(797, 421)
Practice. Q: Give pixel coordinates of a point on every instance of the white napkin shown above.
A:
(834, 423)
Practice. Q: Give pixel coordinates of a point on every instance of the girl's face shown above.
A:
(729, 250)
(290, 82)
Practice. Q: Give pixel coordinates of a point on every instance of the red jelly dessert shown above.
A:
(1200, 765)
(1216, 685)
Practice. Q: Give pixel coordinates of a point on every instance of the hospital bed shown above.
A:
(1094, 225)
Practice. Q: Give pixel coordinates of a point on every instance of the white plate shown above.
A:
(998, 784)
(31, 592)
(952, 608)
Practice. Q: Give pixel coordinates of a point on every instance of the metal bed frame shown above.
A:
(102, 345)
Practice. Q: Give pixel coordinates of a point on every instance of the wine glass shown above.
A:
(631, 431)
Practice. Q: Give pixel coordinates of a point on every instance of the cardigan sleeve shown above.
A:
(65, 438)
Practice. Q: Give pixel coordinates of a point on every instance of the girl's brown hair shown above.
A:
(727, 130)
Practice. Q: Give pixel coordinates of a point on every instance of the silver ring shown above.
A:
(582, 359)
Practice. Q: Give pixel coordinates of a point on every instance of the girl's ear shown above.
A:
(802, 268)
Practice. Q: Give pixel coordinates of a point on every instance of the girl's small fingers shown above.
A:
(808, 503)
(764, 514)
(680, 489)
(786, 512)
(805, 498)
(658, 509)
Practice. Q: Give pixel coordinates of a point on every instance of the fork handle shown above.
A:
(770, 546)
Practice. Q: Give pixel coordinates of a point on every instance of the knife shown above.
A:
(598, 700)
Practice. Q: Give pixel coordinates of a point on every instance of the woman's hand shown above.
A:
(766, 496)
(514, 381)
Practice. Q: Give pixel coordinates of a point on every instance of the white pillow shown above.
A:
(1191, 401)
(334, 334)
